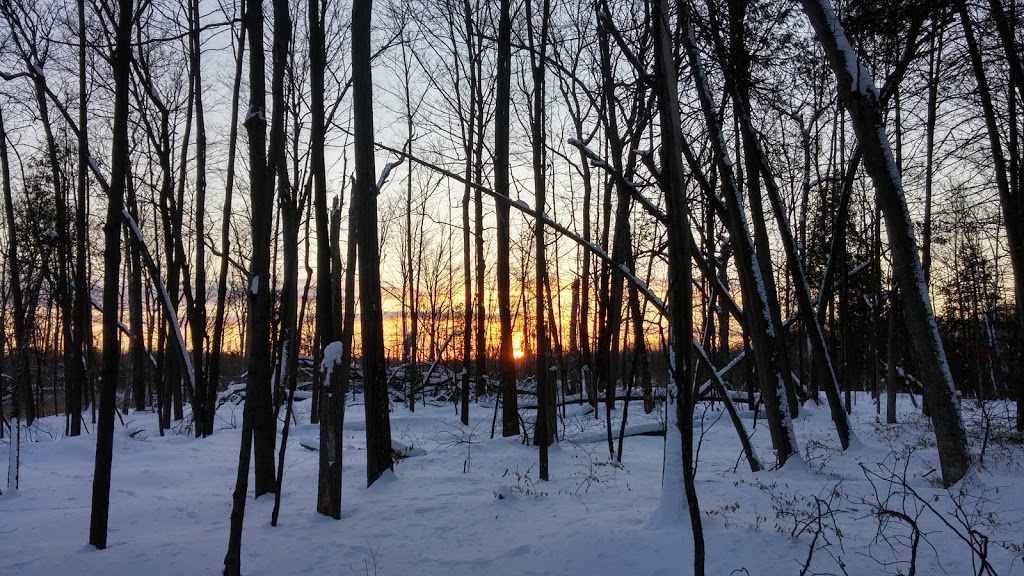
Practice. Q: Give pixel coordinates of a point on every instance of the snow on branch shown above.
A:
(548, 222)
(387, 172)
(124, 329)
(172, 312)
(595, 158)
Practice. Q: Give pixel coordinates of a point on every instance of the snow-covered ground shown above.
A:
(474, 505)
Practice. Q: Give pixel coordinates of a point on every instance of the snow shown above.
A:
(670, 510)
(595, 159)
(169, 307)
(333, 354)
(14, 456)
(385, 173)
(171, 500)
(98, 173)
(255, 113)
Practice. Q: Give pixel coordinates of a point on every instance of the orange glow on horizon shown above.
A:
(517, 346)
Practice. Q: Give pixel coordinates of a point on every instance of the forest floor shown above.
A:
(473, 505)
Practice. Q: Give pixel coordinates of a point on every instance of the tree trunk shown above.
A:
(410, 339)
(197, 316)
(63, 249)
(111, 271)
(1010, 199)
(21, 388)
(82, 309)
(257, 415)
(467, 278)
(821, 358)
(679, 430)
(378, 428)
(890, 377)
(740, 76)
(934, 65)
(861, 98)
(507, 361)
(136, 349)
(332, 397)
(762, 330)
(213, 373)
(538, 50)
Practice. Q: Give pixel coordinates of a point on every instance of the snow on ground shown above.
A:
(474, 505)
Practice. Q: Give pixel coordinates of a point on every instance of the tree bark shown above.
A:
(467, 277)
(332, 397)
(23, 404)
(861, 98)
(740, 76)
(257, 415)
(680, 393)
(756, 306)
(507, 361)
(538, 50)
(111, 288)
(22, 385)
(197, 316)
(82, 309)
(1010, 199)
(213, 373)
(378, 429)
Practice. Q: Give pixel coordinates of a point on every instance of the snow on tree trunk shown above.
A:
(679, 471)
(14, 454)
(761, 326)
(861, 98)
(673, 502)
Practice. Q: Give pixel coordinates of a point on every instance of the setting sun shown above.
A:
(517, 346)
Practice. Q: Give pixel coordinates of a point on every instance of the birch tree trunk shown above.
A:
(22, 384)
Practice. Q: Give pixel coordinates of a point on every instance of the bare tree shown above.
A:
(759, 318)
(121, 64)
(545, 390)
(217, 341)
(22, 387)
(257, 415)
(680, 436)
(1011, 198)
(378, 428)
(507, 361)
(202, 400)
(860, 96)
(332, 396)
